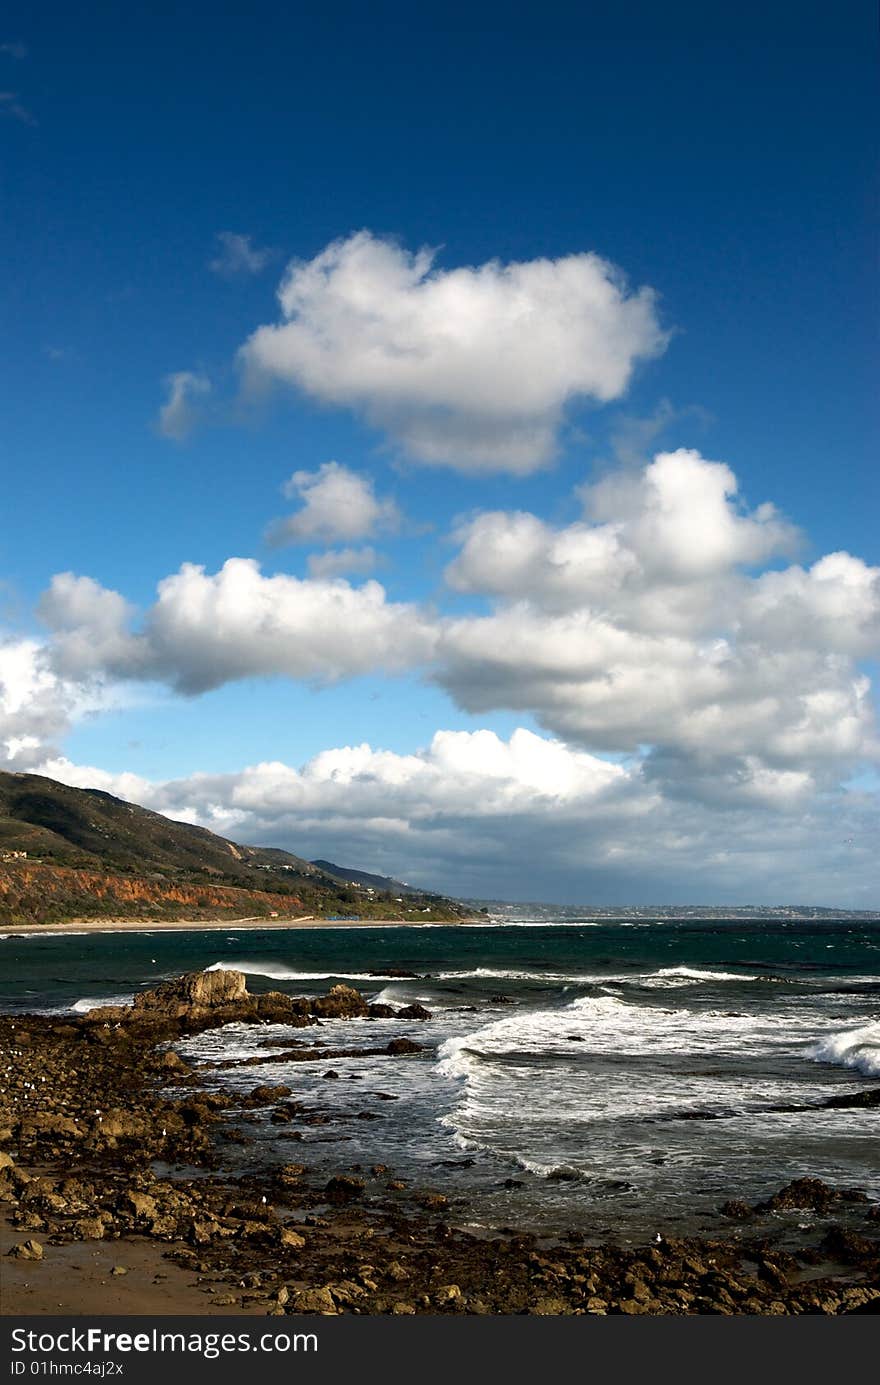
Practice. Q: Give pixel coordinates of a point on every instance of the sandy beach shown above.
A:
(188, 925)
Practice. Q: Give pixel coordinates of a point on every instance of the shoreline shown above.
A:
(236, 925)
(115, 1104)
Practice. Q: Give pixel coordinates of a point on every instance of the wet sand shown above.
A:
(78, 1278)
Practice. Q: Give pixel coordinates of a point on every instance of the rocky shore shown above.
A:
(109, 1137)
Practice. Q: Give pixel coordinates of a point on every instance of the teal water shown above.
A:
(577, 1073)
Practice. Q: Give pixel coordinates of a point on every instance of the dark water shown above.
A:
(638, 1073)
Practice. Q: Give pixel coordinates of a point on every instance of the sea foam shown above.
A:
(852, 1048)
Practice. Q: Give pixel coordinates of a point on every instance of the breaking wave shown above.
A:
(852, 1048)
(277, 971)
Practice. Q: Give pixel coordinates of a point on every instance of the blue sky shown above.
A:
(726, 163)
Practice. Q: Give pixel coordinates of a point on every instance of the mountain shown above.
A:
(79, 853)
(364, 878)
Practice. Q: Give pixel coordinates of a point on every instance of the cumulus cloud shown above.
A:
(338, 561)
(530, 818)
(38, 705)
(470, 367)
(180, 413)
(680, 515)
(643, 625)
(206, 629)
(643, 630)
(338, 505)
(238, 257)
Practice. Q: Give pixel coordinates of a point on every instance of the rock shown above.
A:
(173, 1063)
(399, 1046)
(809, 1193)
(382, 1012)
(632, 1306)
(264, 1095)
(772, 1275)
(292, 1239)
(448, 1293)
(341, 1002)
(330, 1074)
(400, 1308)
(90, 1228)
(193, 992)
(119, 1270)
(550, 1307)
(6, 1160)
(27, 1250)
(396, 1271)
(289, 1173)
(736, 1209)
(140, 1205)
(344, 1189)
(414, 1012)
(315, 1301)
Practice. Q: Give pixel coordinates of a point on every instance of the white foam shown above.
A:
(90, 1002)
(852, 1048)
(685, 975)
(277, 971)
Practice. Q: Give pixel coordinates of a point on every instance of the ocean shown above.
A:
(610, 1077)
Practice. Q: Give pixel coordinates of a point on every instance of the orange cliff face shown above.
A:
(39, 893)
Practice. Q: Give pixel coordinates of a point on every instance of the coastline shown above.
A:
(237, 925)
(114, 1184)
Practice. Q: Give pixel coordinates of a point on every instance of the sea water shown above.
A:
(612, 1077)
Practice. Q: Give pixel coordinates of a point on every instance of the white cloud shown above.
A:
(470, 367)
(337, 561)
(338, 505)
(646, 628)
(238, 257)
(208, 629)
(180, 413)
(742, 686)
(39, 706)
(530, 818)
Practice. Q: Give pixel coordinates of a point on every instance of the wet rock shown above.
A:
(344, 1189)
(291, 1239)
(341, 1002)
(736, 1209)
(173, 1064)
(264, 1095)
(398, 1047)
(809, 1193)
(27, 1250)
(414, 1012)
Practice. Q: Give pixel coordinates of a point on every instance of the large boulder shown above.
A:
(195, 992)
(341, 1002)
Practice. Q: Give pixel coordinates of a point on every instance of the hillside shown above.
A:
(68, 853)
(365, 878)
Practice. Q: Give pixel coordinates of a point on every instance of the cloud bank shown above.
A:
(703, 696)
